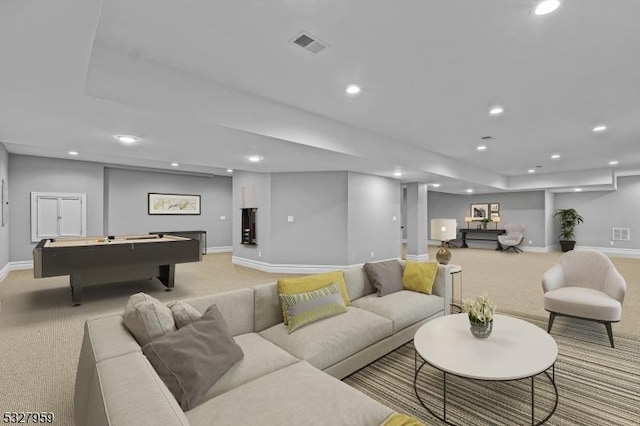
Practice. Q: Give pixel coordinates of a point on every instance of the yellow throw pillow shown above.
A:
(309, 283)
(419, 276)
(397, 419)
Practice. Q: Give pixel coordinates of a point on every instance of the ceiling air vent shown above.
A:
(309, 42)
(621, 234)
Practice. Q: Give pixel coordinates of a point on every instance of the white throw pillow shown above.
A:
(147, 318)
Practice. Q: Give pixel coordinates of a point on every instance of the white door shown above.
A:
(47, 217)
(70, 217)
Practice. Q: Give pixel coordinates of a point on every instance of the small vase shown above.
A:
(481, 330)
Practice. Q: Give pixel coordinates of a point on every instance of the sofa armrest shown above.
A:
(553, 279)
(442, 286)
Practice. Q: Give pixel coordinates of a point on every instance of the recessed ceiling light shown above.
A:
(469, 190)
(481, 147)
(496, 110)
(229, 170)
(546, 6)
(174, 164)
(555, 156)
(73, 152)
(613, 163)
(254, 158)
(531, 170)
(397, 174)
(127, 138)
(599, 128)
(435, 185)
(353, 89)
(577, 189)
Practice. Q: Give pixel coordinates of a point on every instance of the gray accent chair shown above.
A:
(513, 238)
(584, 284)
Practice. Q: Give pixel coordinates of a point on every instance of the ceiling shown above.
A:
(205, 84)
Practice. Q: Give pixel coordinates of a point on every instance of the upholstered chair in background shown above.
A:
(513, 238)
(584, 284)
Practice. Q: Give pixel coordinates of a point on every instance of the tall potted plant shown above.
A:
(569, 219)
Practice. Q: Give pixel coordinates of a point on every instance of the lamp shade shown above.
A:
(468, 219)
(495, 219)
(443, 229)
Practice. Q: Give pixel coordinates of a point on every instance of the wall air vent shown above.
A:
(309, 42)
(620, 234)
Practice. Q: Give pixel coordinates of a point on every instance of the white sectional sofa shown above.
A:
(282, 379)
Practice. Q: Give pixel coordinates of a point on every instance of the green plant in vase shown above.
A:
(480, 311)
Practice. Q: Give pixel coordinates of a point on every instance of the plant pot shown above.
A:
(481, 330)
(567, 245)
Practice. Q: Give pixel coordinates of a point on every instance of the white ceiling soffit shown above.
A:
(183, 74)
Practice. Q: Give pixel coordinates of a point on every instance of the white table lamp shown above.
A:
(496, 219)
(443, 230)
(468, 220)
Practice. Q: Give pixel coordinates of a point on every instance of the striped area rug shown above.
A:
(597, 385)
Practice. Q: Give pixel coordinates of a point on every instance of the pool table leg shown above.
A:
(167, 275)
(76, 290)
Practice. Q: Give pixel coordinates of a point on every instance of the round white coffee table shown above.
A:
(515, 350)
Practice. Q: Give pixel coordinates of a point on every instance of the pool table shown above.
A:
(101, 260)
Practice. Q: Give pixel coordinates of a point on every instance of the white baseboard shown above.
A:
(223, 249)
(417, 258)
(609, 251)
(535, 249)
(15, 266)
(287, 268)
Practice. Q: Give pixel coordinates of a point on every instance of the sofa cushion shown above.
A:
(386, 276)
(260, 357)
(358, 284)
(183, 313)
(311, 282)
(403, 308)
(189, 361)
(583, 302)
(298, 394)
(419, 276)
(333, 339)
(147, 318)
(311, 306)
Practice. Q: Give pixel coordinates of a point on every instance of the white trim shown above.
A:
(536, 249)
(417, 258)
(15, 266)
(5, 271)
(287, 268)
(621, 252)
(222, 249)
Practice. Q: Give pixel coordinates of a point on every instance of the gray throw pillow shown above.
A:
(189, 361)
(386, 276)
(183, 313)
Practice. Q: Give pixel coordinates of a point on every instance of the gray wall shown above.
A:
(252, 190)
(318, 203)
(126, 204)
(602, 211)
(4, 230)
(373, 203)
(28, 174)
(527, 208)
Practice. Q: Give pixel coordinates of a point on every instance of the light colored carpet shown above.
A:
(40, 332)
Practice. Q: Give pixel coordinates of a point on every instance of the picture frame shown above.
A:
(479, 211)
(173, 204)
(494, 207)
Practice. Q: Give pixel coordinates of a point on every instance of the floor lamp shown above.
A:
(443, 230)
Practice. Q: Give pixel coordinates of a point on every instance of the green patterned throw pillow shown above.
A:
(305, 308)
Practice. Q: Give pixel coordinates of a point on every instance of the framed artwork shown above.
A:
(479, 211)
(495, 207)
(5, 202)
(185, 204)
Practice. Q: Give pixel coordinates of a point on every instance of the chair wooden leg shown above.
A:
(552, 316)
(609, 332)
